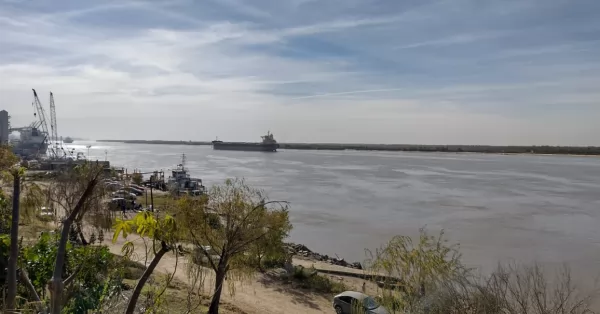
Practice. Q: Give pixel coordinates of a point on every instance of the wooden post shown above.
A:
(151, 195)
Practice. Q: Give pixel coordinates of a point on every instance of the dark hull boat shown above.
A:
(267, 145)
(259, 147)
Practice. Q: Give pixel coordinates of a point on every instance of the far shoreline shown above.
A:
(570, 151)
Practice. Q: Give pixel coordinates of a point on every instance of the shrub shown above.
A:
(137, 178)
(435, 282)
(97, 274)
(308, 278)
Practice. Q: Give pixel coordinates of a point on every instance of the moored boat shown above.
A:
(181, 182)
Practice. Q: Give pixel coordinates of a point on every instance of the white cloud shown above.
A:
(338, 79)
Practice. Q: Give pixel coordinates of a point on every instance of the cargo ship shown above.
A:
(268, 144)
(31, 142)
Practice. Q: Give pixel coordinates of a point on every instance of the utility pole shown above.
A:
(151, 196)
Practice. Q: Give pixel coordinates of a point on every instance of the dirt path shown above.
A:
(257, 296)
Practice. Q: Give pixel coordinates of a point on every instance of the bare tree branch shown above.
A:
(70, 279)
(56, 284)
(24, 277)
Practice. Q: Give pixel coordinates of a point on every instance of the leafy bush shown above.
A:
(323, 284)
(271, 262)
(434, 281)
(308, 278)
(137, 178)
(96, 269)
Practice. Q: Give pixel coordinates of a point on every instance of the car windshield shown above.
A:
(370, 304)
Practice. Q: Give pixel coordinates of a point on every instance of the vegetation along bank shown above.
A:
(65, 250)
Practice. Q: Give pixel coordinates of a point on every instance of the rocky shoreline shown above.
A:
(301, 251)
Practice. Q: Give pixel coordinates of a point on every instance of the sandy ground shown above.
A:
(260, 295)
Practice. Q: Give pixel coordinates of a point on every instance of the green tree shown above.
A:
(77, 192)
(7, 158)
(89, 272)
(245, 218)
(11, 277)
(137, 178)
(33, 198)
(7, 161)
(11, 172)
(270, 251)
(423, 266)
(68, 270)
(163, 233)
(66, 196)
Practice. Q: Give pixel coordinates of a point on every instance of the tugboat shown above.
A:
(268, 144)
(180, 181)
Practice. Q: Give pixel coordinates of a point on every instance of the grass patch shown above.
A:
(308, 278)
(160, 200)
(33, 228)
(166, 296)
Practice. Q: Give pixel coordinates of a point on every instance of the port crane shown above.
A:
(56, 142)
(41, 115)
(53, 128)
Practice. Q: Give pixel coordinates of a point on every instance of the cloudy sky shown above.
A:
(375, 71)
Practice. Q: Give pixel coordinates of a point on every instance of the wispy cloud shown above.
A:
(451, 40)
(352, 92)
(360, 70)
(244, 7)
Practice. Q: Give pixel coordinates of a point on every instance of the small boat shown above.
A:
(180, 182)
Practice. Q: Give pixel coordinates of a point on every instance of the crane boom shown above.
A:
(58, 147)
(53, 127)
(41, 113)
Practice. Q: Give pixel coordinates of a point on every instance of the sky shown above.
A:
(355, 71)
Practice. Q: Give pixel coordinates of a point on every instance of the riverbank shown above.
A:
(259, 294)
(485, 149)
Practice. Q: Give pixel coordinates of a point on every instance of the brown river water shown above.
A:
(520, 208)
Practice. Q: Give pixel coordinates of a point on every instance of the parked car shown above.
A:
(133, 190)
(141, 188)
(346, 302)
(124, 194)
(47, 211)
(113, 186)
(118, 203)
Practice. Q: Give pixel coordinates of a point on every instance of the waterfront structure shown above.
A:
(4, 127)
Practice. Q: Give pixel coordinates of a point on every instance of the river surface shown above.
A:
(498, 207)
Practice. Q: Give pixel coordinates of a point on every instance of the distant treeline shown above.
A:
(553, 150)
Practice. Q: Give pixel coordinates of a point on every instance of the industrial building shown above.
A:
(4, 127)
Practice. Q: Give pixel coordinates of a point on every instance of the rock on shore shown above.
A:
(300, 250)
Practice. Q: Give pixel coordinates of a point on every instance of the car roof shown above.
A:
(353, 294)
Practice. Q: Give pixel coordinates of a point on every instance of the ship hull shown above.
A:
(27, 149)
(252, 147)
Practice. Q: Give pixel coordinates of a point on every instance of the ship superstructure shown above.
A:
(180, 181)
(32, 141)
(38, 140)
